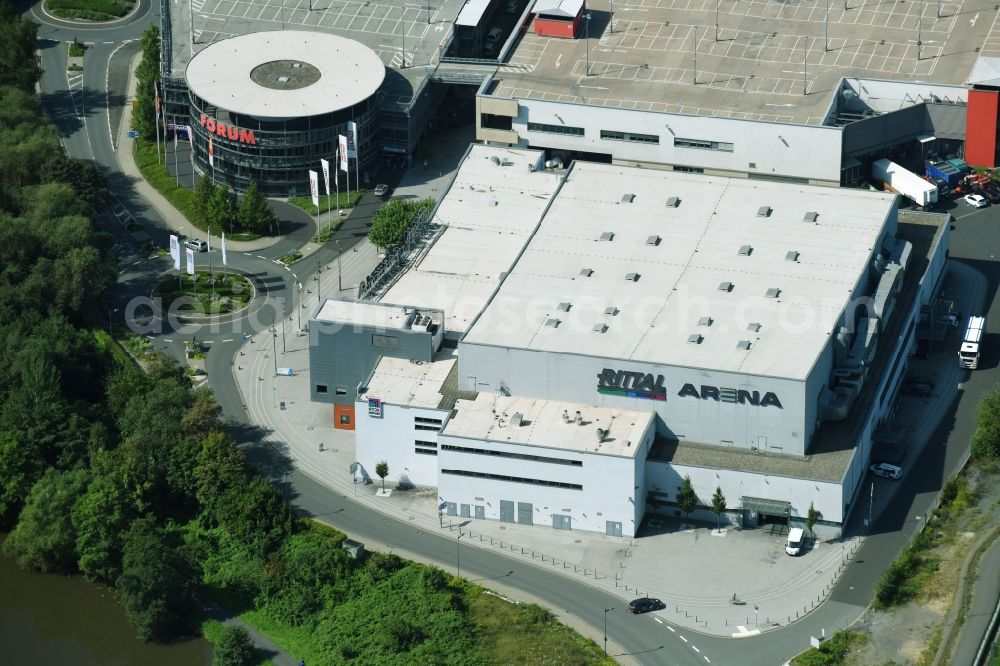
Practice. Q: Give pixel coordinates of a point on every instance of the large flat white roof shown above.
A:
(379, 315)
(677, 259)
(489, 213)
(489, 418)
(349, 73)
(399, 381)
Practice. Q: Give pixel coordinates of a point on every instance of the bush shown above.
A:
(234, 648)
(97, 10)
(391, 221)
(832, 651)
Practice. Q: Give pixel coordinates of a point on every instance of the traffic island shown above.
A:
(90, 10)
(205, 293)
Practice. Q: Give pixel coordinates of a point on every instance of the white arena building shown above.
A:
(568, 346)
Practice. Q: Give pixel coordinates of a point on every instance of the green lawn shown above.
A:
(92, 10)
(156, 174)
(231, 292)
(347, 200)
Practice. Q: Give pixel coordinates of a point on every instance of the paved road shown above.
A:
(984, 600)
(646, 640)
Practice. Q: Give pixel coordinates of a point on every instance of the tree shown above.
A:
(811, 517)
(18, 36)
(986, 438)
(204, 192)
(147, 75)
(101, 516)
(155, 583)
(234, 648)
(255, 513)
(254, 213)
(382, 470)
(391, 221)
(44, 539)
(221, 465)
(687, 500)
(718, 505)
(222, 207)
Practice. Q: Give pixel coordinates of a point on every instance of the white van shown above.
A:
(796, 537)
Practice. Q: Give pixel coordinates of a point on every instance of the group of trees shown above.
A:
(986, 438)
(218, 208)
(392, 220)
(147, 76)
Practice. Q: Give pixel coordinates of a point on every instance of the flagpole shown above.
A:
(211, 262)
(329, 216)
(336, 170)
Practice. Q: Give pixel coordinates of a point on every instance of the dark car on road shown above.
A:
(645, 605)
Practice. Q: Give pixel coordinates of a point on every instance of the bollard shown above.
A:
(685, 614)
(696, 619)
(595, 574)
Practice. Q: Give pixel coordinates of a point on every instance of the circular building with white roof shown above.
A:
(270, 105)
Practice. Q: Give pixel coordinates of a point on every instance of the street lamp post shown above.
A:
(458, 553)
(340, 286)
(298, 310)
(402, 23)
(587, 40)
(606, 610)
(111, 331)
(428, 13)
(274, 352)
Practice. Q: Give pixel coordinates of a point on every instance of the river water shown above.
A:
(47, 619)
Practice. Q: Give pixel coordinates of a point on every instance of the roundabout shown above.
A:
(206, 293)
(44, 13)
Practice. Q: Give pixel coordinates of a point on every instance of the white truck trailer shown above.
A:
(910, 185)
(968, 354)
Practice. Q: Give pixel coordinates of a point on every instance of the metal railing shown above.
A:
(397, 258)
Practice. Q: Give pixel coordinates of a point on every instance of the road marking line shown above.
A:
(229, 340)
(260, 256)
(167, 340)
(246, 254)
(671, 629)
(707, 659)
(288, 269)
(658, 620)
(696, 649)
(682, 638)
(295, 276)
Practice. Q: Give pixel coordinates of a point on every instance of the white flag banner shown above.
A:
(211, 153)
(175, 252)
(343, 153)
(314, 187)
(352, 139)
(190, 134)
(209, 239)
(326, 174)
(190, 260)
(224, 249)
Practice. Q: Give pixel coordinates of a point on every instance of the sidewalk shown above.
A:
(170, 215)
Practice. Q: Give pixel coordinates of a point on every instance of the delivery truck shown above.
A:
(897, 179)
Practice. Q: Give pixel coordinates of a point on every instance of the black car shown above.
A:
(645, 605)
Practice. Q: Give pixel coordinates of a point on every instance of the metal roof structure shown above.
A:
(661, 293)
(561, 8)
(228, 73)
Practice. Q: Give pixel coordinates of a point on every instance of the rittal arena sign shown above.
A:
(647, 386)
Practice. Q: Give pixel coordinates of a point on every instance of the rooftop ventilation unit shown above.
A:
(586, 272)
(495, 160)
(743, 344)
(600, 328)
(673, 202)
(773, 292)
(705, 321)
(607, 235)
(552, 323)
(515, 420)
(745, 250)
(653, 240)
(695, 338)
(628, 198)
(753, 326)
(506, 162)
(725, 286)
(563, 307)
(764, 211)
(810, 216)
(791, 255)
(632, 277)
(612, 310)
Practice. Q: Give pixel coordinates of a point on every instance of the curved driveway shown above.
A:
(85, 125)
